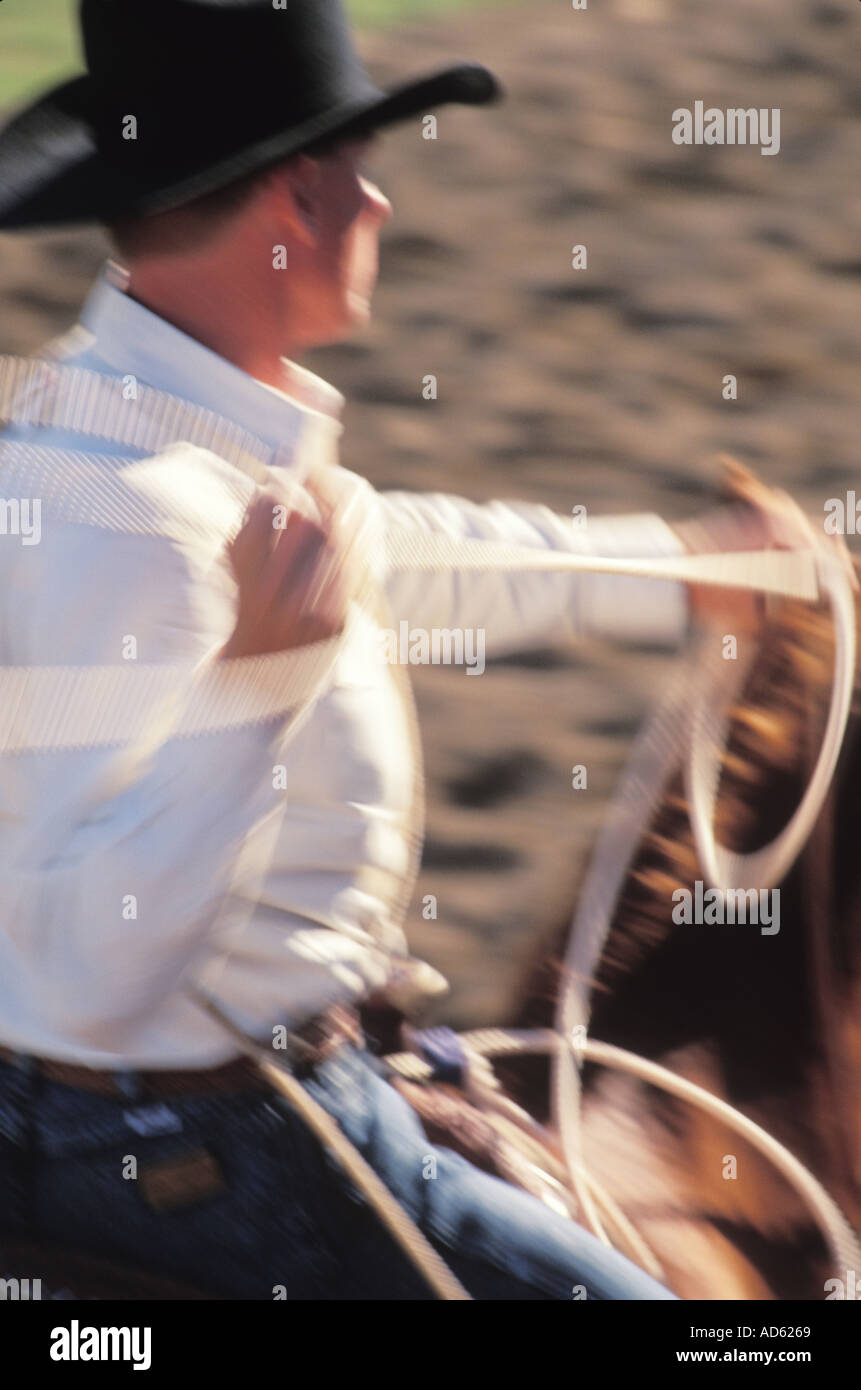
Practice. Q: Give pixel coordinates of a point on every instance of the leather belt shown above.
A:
(307, 1047)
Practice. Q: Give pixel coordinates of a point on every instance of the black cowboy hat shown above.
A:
(182, 97)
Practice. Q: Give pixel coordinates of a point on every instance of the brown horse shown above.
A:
(769, 1023)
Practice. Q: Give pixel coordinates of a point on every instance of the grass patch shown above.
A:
(389, 11)
(38, 43)
(39, 39)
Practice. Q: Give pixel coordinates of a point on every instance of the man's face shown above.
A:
(335, 254)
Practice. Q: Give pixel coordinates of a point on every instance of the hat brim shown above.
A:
(52, 171)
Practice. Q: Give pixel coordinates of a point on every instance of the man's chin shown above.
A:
(355, 314)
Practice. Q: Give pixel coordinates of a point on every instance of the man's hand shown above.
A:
(757, 518)
(296, 580)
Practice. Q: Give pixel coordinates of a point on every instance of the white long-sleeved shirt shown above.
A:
(267, 857)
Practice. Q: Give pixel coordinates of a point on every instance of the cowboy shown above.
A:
(209, 776)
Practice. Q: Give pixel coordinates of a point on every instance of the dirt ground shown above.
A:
(601, 386)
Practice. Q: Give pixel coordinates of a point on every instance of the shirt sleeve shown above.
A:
(125, 826)
(519, 609)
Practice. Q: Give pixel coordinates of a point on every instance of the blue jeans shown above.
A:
(74, 1166)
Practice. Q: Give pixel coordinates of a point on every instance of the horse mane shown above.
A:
(774, 733)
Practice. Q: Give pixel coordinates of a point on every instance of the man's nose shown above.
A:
(377, 202)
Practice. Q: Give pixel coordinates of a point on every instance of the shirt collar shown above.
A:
(132, 340)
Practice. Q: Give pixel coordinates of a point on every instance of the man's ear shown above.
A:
(295, 186)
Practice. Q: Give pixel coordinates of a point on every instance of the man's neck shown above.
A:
(252, 357)
(206, 321)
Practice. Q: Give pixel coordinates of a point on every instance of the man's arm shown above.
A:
(521, 609)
